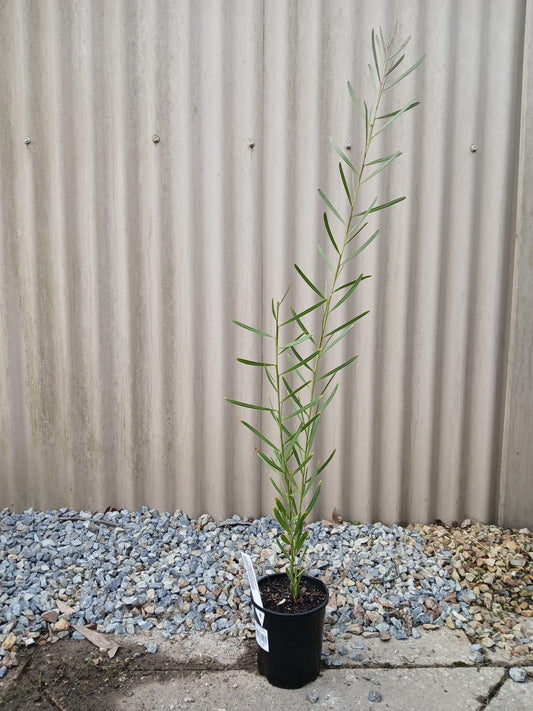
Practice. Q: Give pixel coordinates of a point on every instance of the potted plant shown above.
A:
(289, 607)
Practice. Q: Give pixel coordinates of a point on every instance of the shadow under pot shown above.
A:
(289, 635)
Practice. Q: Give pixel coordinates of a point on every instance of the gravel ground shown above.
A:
(125, 572)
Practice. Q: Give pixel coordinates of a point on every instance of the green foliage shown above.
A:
(302, 382)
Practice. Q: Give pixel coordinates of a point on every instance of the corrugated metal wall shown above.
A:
(124, 257)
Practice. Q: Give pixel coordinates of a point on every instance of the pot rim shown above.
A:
(276, 613)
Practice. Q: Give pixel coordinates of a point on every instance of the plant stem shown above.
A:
(340, 264)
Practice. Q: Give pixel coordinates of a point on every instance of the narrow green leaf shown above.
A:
(302, 326)
(362, 215)
(301, 540)
(254, 362)
(295, 365)
(373, 78)
(342, 155)
(333, 210)
(353, 234)
(326, 386)
(325, 464)
(331, 395)
(382, 206)
(330, 234)
(282, 522)
(313, 499)
(303, 408)
(298, 316)
(303, 361)
(275, 417)
(254, 330)
(324, 258)
(345, 325)
(281, 461)
(375, 54)
(270, 462)
(260, 435)
(383, 159)
(396, 64)
(406, 73)
(401, 48)
(299, 358)
(275, 485)
(338, 368)
(310, 482)
(284, 295)
(281, 506)
(285, 540)
(291, 447)
(345, 184)
(312, 424)
(309, 282)
(396, 115)
(292, 392)
(363, 246)
(301, 339)
(347, 295)
(339, 338)
(381, 46)
(367, 123)
(382, 166)
(355, 100)
(359, 279)
(304, 463)
(304, 426)
(248, 404)
(271, 378)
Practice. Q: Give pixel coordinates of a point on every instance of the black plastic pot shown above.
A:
(294, 641)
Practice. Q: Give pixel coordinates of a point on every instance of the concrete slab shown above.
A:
(513, 696)
(442, 647)
(200, 647)
(438, 689)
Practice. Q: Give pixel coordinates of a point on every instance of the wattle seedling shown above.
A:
(300, 373)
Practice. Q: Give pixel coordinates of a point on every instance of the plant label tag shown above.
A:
(254, 587)
(261, 636)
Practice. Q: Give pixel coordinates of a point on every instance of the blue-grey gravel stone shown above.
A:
(374, 696)
(356, 656)
(476, 657)
(132, 571)
(517, 674)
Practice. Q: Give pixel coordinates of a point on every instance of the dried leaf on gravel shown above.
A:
(99, 640)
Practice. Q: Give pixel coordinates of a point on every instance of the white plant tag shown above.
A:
(254, 587)
(261, 636)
